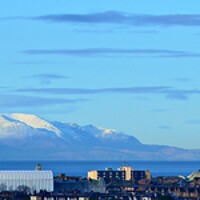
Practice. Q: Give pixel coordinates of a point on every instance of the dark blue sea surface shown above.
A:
(80, 168)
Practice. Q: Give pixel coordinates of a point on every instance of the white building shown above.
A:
(35, 180)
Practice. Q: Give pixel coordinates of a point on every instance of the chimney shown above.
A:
(38, 167)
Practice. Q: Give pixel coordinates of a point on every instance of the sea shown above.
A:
(80, 168)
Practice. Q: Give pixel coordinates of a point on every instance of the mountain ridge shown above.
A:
(26, 136)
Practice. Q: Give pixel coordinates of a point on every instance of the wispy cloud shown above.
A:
(46, 78)
(32, 101)
(180, 95)
(193, 121)
(135, 90)
(123, 18)
(111, 52)
(169, 92)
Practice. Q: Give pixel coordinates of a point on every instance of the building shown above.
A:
(128, 172)
(124, 173)
(60, 197)
(33, 180)
(194, 175)
(108, 175)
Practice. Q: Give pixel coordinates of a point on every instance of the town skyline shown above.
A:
(129, 66)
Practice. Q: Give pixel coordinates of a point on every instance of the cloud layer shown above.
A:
(117, 17)
(46, 78)
(111, 52)
(135, 90)
(169, 92)
(32, 101)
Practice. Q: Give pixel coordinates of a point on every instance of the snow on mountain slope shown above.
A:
(108, 131)
(24, 125)
(6, 121)
(106, 135)
(16, 126)
(35, 122)
(13, 128)
(27, 124)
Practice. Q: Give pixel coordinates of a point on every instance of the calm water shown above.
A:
(80, 168)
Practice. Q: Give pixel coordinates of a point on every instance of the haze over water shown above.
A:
(80, 168)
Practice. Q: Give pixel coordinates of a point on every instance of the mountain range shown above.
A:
(29, 137)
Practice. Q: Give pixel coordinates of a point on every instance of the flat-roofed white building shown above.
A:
(35, 180)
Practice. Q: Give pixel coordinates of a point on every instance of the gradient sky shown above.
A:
(133, 66)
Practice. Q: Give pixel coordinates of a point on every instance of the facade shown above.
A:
(194, 175)
(124, 173)
(60, 197)
(138, 175)
(110, 175)
(128, 172)
(35, 180)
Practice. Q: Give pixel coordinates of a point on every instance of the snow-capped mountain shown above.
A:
(27, 120)
(25, 136)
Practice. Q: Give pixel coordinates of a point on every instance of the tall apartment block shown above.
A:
(124, 173)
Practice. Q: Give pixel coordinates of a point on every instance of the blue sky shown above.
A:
(127, 65)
